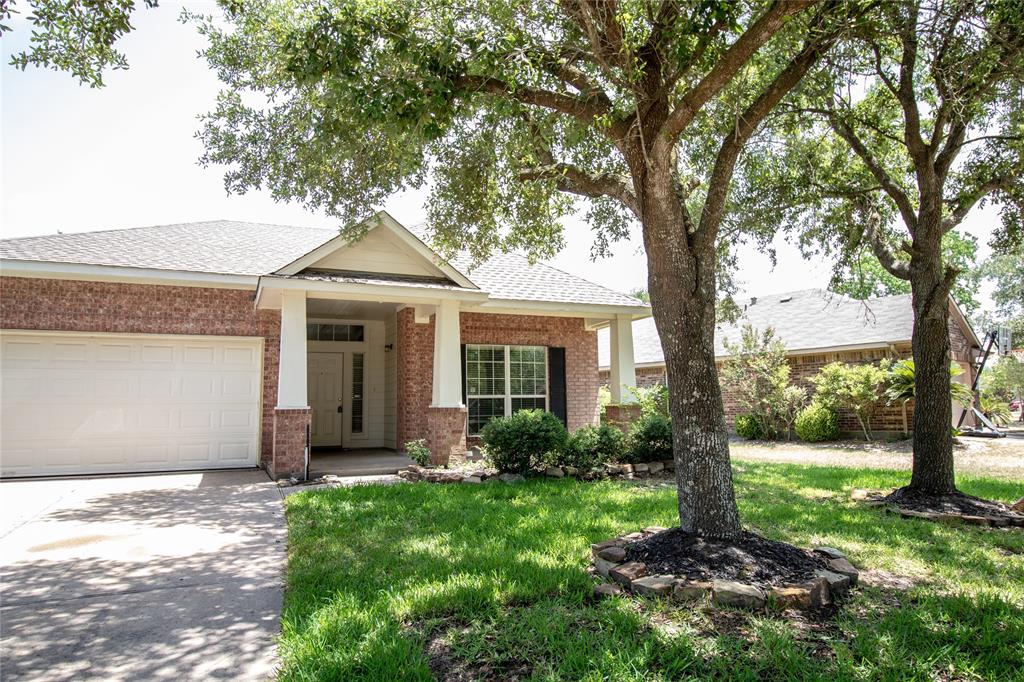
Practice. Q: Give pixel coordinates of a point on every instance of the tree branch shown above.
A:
(890, 187)
(967, 201)
(906, 95)
(735, 57)
(569, 178)
(747, 123)
(872, 233)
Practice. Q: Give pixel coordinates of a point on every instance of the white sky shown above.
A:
(76, 159)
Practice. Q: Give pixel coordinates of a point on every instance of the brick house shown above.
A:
(817, 327)
(227, 344)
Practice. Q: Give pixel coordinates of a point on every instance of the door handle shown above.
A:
(340, 409)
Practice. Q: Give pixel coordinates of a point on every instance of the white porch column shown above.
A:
(291, 377)
(623, 373)
(447, 388)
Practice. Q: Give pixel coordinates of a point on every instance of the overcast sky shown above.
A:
(77, 159)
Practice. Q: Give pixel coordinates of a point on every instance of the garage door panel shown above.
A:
(94, 404)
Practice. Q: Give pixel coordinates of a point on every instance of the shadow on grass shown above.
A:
(495, 577)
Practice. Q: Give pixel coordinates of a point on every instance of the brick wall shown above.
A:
(289, 451)
(114, 307)
(416, 356)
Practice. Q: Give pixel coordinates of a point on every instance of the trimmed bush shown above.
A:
(816, 423)
(748, 427)
(518, 443)
(591, 446)
(418, 452)
(649, 439)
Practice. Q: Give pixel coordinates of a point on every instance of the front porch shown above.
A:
(362, 462)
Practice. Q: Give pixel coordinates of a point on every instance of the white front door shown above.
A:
(324, 371)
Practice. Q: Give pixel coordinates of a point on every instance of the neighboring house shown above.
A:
(817, 327)
(208, 345)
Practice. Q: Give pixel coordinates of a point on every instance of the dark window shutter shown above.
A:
(462, 351)
(556, 384)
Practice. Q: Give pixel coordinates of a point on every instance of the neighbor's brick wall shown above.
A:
(68, 305)
(802, 367)
(416, 361)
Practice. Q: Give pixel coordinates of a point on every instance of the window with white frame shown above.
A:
(501, 380)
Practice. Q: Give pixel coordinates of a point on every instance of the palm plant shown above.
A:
(902, 382)
(995, 410)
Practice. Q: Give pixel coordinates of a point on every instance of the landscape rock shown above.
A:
(631, 537)
(654, 585)
(511, 478)
(626, 468)
(690, 590)
(554, 472)
(836, 581)
(975, 520)
(604, 566)
(607, 590)
(655, 467)
(640, 468)
(625, 574)
(670, 464)
(472, 479)
(651, 530)
(731, 593)
(616, 554)
(613, 468)
(830, 552)
(571, 471)
(791, 597)
(595, 549)
(819, 591)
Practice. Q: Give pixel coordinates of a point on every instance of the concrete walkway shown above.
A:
(176, 576)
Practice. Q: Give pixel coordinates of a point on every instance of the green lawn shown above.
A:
(490, 582)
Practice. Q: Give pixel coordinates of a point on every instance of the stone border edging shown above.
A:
(620, 576)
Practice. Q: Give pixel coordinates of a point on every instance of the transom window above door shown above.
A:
(316, 331)
(501, 380)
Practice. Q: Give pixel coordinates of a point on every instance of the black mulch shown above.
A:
(750, 559)
(953, 503)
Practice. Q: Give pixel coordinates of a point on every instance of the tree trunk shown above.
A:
(933, 409)
(682, 286)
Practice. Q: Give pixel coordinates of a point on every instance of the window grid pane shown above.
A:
(334, 332)
(357, 393)
(482, 410)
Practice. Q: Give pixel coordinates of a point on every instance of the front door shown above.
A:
(325, 397)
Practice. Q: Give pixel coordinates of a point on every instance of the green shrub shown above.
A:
(518, 443)
(816, 423)
(649, 439)
(418, 452)
(747, 426)
(591, 446)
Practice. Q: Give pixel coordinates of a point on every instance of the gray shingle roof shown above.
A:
(511, 276)
(803, 320)
(241, 248)
(217, 246)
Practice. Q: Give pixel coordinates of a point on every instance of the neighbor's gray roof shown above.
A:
(803, 320)
(241, 248)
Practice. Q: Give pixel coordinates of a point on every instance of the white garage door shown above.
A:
(106, 403)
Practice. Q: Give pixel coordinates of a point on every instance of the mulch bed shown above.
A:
(956, 503)
(750, 559)
(951, 507)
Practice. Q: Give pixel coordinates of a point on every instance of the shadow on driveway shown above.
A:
(174, 577)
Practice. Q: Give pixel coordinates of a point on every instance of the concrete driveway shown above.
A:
(176, 576)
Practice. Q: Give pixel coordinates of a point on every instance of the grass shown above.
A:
(417, 582)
